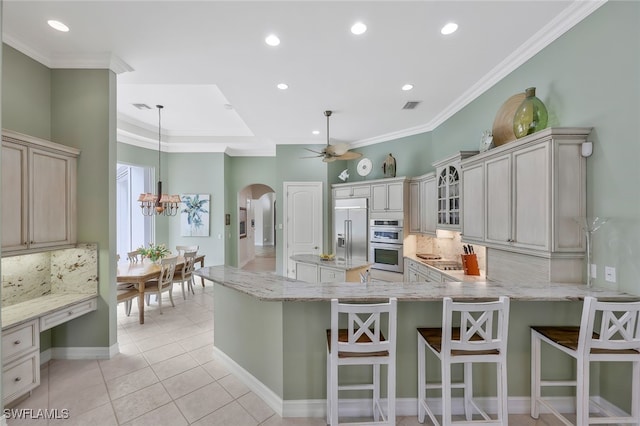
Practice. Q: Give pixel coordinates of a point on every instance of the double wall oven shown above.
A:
(385, 244)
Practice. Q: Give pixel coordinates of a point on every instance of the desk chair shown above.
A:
(475, 340)
(617, 340)
(363, 343)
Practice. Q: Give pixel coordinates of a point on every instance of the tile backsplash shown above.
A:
(449, 246)
(26, 277)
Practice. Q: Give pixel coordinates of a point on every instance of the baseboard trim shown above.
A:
(83, 353)
(256, 386)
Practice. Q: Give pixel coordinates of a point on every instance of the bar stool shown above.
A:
(618, 340)
(476, 340)
(363, 342)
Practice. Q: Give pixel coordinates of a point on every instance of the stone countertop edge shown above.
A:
(268, 286)
(31, 309)
(313, 259)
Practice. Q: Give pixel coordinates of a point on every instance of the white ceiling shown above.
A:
(208, 64)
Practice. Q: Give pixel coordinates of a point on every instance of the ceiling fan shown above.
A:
(339, 151)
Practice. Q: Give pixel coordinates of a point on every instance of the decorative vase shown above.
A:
(531, 116)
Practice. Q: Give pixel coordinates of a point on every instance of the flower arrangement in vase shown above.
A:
(154, 252)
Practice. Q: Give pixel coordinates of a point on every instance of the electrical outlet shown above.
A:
(594, 271)
(610, 274)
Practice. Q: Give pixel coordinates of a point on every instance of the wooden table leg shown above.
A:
(202, 266)
(141, 302)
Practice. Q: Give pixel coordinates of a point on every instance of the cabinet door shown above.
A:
(307, 273)
(395, 197)
(14, 197)
(379, 198)
(473, 203)
(342, 193)
(531, 211)
(362, 191)
(428, 206)
(498, 187)
(415, 207)
(330, 275)
(50, 199)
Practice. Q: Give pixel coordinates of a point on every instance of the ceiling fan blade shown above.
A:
(349, 155)
(316, 152)
(312, 156)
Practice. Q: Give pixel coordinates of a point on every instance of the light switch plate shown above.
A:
(594, 271)
(610, 274)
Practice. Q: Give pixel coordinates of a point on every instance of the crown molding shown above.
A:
(92, 61)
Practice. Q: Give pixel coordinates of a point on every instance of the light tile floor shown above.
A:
(166, 374)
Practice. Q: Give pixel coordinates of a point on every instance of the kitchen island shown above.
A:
(270, 330)
(311, 268)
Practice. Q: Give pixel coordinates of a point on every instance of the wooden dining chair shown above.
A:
(185, 274)
(125, 294)
(164, 283)
(133, 256)
(183, 249)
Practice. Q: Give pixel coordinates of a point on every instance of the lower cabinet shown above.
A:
(419, 272)
(20, 360)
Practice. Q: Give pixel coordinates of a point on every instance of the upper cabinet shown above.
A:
(38, 193)
(422, 204)
(347, 190)
(527, 196)
(449, 191)
(388, 195)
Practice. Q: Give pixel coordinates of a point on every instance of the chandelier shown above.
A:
(160, 204)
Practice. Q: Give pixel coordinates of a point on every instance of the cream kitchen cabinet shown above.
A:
(448, 191)
(388, 196)
(38, 194)
(347, 190)
(473, 205)
(418, 272)
(534, 190)
(20, 360)
(422, 204)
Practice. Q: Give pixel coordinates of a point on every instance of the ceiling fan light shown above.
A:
(338, 149)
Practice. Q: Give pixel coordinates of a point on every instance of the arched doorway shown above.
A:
(257, 242)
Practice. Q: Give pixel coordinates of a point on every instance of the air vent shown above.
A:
(411, 105)
(142, 106)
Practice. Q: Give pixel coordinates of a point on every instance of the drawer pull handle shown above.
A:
(17, 379)
(17, 342)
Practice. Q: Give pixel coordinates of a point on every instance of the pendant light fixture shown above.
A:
(160, 204)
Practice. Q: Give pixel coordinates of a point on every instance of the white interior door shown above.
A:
(303, 221)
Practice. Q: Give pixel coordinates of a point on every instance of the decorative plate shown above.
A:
(364, 167)
(503, 123)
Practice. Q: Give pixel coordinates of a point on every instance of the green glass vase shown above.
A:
(531, 116)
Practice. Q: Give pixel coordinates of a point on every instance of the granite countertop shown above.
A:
(313, 259)
(40, 306)
(455, 275)
(270, 287)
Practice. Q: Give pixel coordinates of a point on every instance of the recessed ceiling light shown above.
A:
(283, 86)
(450, 28)
(358, 28)
(407, 87)
(316, 132)
(57, 25)
(272, 40)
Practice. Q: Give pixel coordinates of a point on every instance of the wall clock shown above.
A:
(364, 167)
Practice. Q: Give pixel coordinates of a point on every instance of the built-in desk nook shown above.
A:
(41, 291)
(270, 330)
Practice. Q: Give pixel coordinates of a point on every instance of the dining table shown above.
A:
(141, 272)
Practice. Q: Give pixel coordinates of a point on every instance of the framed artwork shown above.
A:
(243, 222)
(194, 216)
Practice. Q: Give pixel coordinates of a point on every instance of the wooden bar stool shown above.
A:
(617, 340)
(363, 342)
(476, 340)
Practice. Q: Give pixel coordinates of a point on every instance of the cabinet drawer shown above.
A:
(59, 317)
(20, 377)
(328, 275)
(20, 340)
(342, 193)
(434, 275)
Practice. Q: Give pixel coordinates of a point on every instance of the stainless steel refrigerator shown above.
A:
(351, 229)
